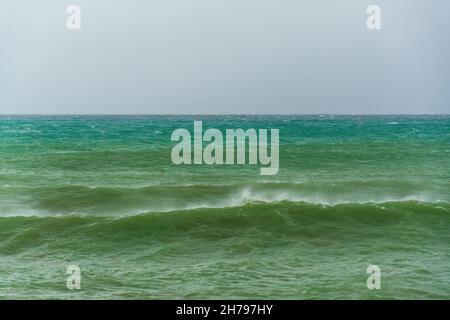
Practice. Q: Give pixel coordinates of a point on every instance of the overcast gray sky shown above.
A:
(224, 56)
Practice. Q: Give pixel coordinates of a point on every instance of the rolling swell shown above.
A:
(268, 222)
(297, 250)
(124, 201)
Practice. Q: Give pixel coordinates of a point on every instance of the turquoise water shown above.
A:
(101, 192)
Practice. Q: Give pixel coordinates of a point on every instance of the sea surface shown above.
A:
(102, 193)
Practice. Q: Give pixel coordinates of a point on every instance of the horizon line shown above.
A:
(224, 114)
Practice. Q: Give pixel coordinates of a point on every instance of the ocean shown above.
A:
(101, 192)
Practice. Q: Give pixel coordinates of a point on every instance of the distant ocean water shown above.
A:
(101, 192)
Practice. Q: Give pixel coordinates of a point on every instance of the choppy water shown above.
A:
(101, 192)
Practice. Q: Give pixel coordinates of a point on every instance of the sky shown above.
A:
(224, 57)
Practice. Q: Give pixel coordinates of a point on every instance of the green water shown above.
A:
(101, 192)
